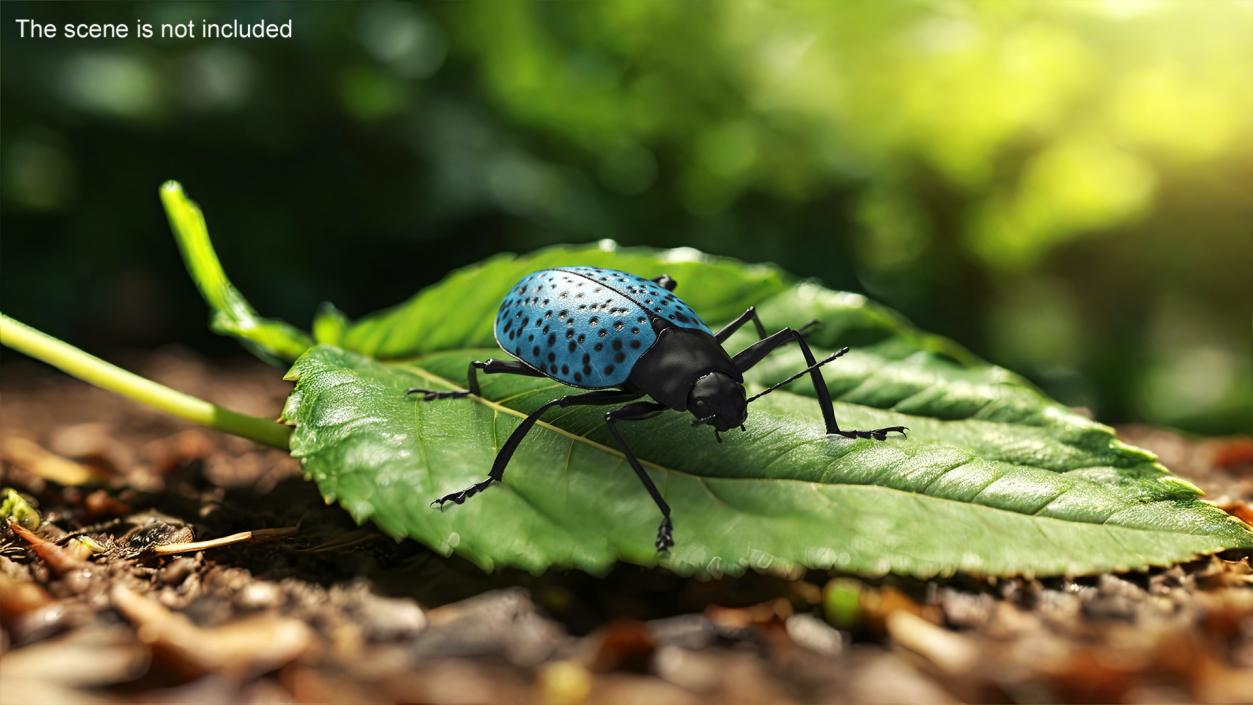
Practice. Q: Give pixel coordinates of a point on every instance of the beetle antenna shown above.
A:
(798, 375)
(717, 435)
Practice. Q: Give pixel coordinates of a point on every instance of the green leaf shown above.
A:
(994, 478)
(231, 314)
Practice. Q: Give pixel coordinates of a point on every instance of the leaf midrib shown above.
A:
(842, 397)
(411, 366)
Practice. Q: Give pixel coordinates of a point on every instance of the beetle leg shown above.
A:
(750, 314)
(511, 444)
(638, 412)
(756, 352)
(513, 367)
(665, 282)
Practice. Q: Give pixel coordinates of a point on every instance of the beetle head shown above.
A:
(718, 400)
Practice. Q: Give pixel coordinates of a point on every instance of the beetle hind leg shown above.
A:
(490, 367)
(511, 444)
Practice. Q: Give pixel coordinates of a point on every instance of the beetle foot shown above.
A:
(879, 434)
(463, 495)
(432, 395)
(664, 539)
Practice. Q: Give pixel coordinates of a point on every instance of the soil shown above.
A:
(105, 603)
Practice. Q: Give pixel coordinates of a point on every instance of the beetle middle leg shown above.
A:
(756, 352)
(639, 411)
(507, 450)
(490, 367)
(750, 314)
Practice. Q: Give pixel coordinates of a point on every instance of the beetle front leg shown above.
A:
(664, 281)
(756, 352)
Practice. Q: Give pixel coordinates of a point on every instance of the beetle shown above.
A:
(623, 337)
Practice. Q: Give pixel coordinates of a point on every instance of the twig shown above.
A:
(243, 536)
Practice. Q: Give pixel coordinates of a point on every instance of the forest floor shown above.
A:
(105, 602)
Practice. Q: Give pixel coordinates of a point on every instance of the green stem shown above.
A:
(93, 370)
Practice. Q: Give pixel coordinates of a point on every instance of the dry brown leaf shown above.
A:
(952, 653)
(33, 458)
(1235, 454)
(85, 657)
(624, 645)
(1239, 509)
(247, 647)
(18, 597)
(59, 560)
(878, 606)
(766, 615)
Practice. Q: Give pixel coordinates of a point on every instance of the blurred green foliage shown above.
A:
(1067, 187)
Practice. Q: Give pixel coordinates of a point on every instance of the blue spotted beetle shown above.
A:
(626, 337)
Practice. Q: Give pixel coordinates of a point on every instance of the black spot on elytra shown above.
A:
(619, 357)
(617, 345)
(635, 344)
(609, 369)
